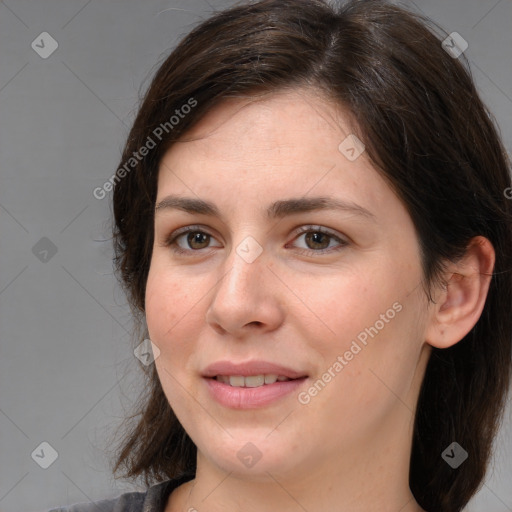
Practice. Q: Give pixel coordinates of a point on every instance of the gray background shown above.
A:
(66, 367)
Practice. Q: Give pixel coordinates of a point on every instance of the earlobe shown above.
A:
(460, 303)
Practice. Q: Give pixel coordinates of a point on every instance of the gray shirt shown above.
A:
(153, 500)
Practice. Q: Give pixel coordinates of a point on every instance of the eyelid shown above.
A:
(317, 228)
(189, 228)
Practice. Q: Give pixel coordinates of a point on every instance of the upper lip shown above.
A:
(248, 368)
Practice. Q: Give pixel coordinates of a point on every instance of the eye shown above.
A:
(319, 240)
(189, 239)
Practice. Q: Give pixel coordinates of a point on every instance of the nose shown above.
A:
(247, 298)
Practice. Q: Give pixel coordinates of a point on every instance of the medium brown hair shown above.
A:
(429, 135)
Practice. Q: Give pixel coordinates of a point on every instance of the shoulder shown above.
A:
(127, 502)
(152, 500)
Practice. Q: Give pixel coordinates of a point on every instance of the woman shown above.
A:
(312, 228)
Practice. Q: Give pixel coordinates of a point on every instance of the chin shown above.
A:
(239, 455)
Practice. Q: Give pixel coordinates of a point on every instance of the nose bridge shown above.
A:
(245, 268)
(243, 295)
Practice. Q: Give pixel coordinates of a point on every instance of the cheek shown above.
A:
(339, 307)
(171, 309)
(383, 344)
(172, 322)
(368, 317)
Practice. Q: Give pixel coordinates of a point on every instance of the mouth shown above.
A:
(251, 381)
(251, 385)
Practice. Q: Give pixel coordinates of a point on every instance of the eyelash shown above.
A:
(170, 241)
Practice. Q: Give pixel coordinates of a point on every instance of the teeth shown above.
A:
(270, 378)
(252, 381)
(237, 381)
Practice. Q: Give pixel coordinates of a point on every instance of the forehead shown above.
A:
(271, 121)
(284, 144)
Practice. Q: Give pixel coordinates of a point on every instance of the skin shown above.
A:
(348, 449)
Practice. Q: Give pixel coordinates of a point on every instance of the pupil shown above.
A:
(199, 238)
(316, 239)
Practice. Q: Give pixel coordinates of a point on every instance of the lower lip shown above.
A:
(251, 398)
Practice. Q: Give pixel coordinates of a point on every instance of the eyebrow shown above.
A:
(276, 210)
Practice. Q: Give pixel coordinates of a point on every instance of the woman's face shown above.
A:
(303, 264)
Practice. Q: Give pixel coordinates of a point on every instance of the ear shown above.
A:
(460, 303)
